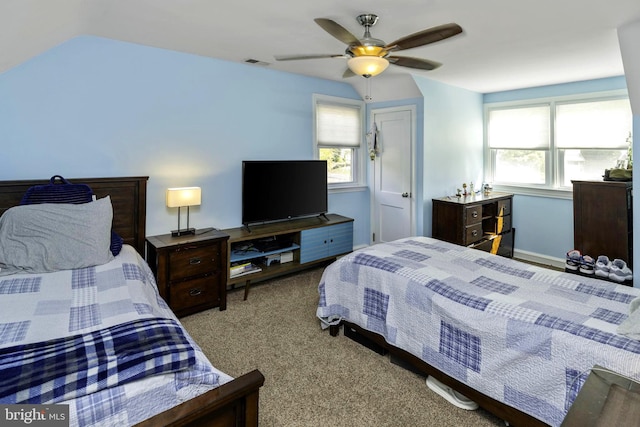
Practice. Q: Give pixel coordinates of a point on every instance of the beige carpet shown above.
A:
(313, 379)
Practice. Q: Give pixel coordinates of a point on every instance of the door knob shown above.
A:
(405, 194)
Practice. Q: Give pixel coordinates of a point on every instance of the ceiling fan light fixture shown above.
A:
(367, 50)
(367, 66)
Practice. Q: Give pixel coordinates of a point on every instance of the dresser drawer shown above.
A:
(499, 245)
(473, 233)
(473, 214)
(498, 225)
(188, 261)
(191, 293)
(504, 207)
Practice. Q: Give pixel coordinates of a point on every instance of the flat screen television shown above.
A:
(275, 190)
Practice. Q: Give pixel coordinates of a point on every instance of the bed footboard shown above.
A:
(509, 414)
(230, 405)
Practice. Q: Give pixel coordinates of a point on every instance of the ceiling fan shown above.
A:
(369, 56)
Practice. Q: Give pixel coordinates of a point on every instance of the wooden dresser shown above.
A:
(603, 219)
(479, 221)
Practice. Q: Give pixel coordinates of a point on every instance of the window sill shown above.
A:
(347, 188)
(564, 193)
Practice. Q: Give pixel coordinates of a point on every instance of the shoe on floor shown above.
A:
(451, 395)
(603, 266)
(573, 262)
(619, 271)
(587, 265)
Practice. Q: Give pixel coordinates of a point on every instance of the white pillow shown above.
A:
(51, 237)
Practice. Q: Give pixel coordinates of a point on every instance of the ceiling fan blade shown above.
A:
(418, 63)
(337, 31)
(348, 73)
(305, 56)
(427, 36)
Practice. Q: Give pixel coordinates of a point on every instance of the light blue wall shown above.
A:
(98, 107)
(452, 146)
(587, 86)
(545, 225)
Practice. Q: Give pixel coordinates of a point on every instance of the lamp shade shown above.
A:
(367, 66)
(183, 196)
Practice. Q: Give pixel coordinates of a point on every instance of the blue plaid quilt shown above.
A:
(99, 339)
(67, 368)
(524, 335)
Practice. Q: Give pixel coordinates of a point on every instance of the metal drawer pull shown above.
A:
(474, 214)
(474, 233)
(194, 261)
(195, 292)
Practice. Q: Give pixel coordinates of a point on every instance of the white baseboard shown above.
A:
(538, 258)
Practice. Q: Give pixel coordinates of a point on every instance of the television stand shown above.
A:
(295, 245)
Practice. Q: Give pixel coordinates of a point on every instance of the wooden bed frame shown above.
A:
(377, 343)
(232, 404)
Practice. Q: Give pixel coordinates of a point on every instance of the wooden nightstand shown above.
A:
(191, 271)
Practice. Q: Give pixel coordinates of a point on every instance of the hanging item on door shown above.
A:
(373, 141)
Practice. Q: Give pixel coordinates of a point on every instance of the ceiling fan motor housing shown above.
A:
(368, 46)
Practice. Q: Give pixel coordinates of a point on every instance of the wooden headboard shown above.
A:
(128, 197)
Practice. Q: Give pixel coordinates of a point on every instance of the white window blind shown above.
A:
(519, 128)
(338, 125)
(598, 124)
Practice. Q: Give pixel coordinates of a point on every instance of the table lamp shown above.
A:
(181, 197)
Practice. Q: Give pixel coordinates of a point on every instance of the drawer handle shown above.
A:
(194, 292)
(474, 214)
(474, 233)
(194, 261)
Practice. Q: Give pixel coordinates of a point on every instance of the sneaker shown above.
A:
(603, 266)
(587, 265)
(619, 271)
(451, 395)
(573, 262)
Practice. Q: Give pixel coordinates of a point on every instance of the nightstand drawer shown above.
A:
(194, 292)
(189, 261)
(473, 214)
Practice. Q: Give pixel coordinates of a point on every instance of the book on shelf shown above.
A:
(242, 269)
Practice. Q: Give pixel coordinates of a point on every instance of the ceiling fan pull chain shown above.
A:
(367, 96)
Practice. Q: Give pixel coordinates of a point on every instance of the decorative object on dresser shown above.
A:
(301, 243)
(191, 271)
(478, 221)
(603, 219)
(181, 197)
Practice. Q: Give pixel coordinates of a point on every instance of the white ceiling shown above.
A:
(506, 44)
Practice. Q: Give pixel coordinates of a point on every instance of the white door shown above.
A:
(393, 174)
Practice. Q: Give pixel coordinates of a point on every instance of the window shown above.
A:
(547, 143)
(338, 135)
